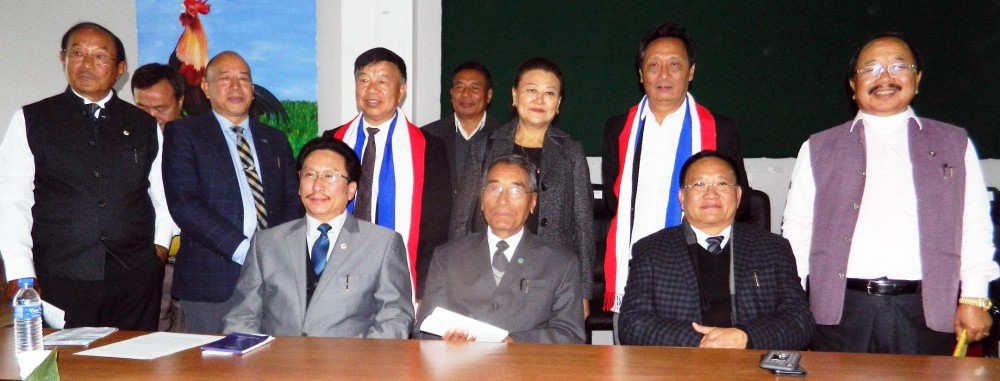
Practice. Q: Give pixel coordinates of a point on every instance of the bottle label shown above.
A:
(27, 312)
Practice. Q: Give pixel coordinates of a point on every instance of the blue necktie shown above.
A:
(320, 248)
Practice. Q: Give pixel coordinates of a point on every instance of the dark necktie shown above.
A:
(92, 111)
(714, 244)
(363, 201)
(500, 260)
(320, 248)
(246, 158)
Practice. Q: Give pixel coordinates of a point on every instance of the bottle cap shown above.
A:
(30, 282)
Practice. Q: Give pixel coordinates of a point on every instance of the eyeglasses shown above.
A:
(702, 187)
(100, 58)
(896, 70)
(514, 192)
(328, 176)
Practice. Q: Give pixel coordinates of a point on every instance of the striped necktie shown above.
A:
(714, 244)
(246, 158)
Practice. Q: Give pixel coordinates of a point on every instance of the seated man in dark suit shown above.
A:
(711, 282)
(525, 286)
(326, 274)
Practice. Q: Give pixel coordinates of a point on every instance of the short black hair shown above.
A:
(518, 160)
(337, 146)
(541, 63)
(473, 65)
(119, 47)
(152, 73)
(706, 155)
(668, 30)
(896, 35)
(380, 54)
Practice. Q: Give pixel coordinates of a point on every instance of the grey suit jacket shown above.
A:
(537, 301)
(565, 200)
(364, 292)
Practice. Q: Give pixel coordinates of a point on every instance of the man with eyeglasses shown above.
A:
(712, 282)
(889, 221)
(507, 276)
(328, 273)
(228, 176)
(81, 194)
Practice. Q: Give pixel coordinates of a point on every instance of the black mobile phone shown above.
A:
(780, 361)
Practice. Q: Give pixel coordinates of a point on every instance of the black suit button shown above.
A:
(543, 222)
(104, 237)
(544, 187)
(92, 143)
(100, 204)
(96, 173)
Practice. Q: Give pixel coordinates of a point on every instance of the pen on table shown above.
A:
(756, 281)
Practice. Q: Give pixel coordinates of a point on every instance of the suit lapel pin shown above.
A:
(125, 132)
(343, 246)
(932, 153)
(520, 260)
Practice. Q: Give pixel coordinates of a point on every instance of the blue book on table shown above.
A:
(238, 343)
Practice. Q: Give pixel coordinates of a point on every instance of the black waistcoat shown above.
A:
(91, 184)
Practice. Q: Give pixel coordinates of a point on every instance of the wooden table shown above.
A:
(302, 358)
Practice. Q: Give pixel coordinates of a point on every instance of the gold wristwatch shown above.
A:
(984, 303)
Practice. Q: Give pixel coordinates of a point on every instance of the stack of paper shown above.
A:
(77, 336)
(441, 320)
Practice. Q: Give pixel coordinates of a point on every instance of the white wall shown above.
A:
(346, 29)
(32, 30)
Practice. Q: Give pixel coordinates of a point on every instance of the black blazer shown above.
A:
(444, 129)
(662, 296)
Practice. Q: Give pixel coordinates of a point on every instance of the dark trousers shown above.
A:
(882, 324)
(127, 300)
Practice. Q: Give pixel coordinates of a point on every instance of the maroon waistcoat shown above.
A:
(937, 153)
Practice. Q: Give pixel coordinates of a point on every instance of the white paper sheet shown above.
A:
(151, 346)
(77, 336)
(441, 320)
(53, 316)
(28, 361)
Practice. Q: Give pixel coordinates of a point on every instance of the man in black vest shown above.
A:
(81, 194)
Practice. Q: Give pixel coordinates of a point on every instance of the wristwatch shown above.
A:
(985, 303)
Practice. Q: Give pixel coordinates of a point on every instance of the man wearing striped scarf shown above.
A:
(670, 121)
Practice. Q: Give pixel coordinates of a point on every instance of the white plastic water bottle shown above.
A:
(27, 317)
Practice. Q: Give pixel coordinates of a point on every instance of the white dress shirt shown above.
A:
(886, 239)
(381, 139)
(703, 237)
(466, 135)
(17, 177)
(513, 241)
(246, 195)
(659, 142)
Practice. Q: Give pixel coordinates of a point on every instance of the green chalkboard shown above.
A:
(778, 67)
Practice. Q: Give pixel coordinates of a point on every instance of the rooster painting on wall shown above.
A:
(266, 33)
